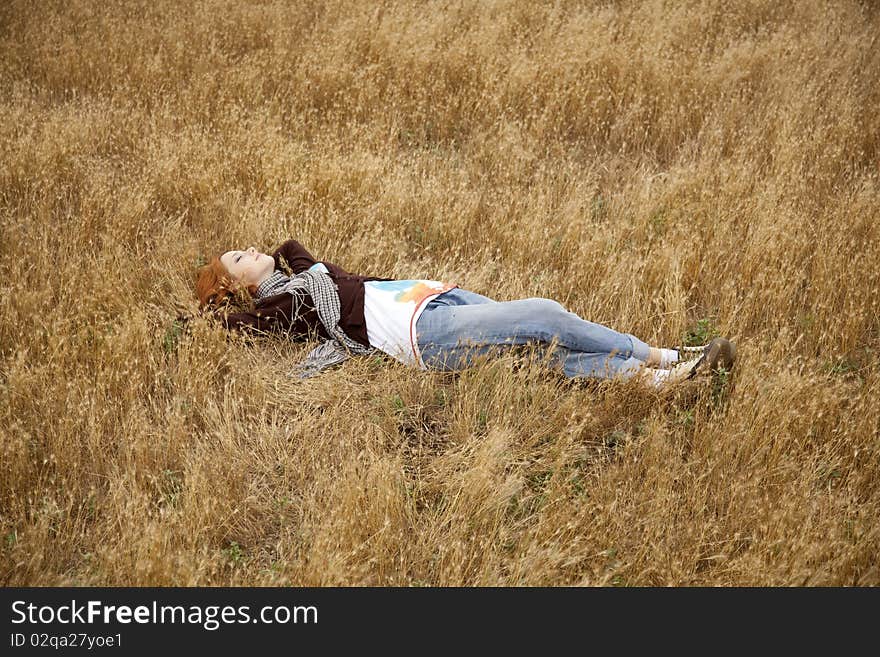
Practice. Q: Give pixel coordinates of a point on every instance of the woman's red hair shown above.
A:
(214, 285)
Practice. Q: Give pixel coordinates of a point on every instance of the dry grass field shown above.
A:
(677, 170)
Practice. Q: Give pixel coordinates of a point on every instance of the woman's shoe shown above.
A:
(720, 353)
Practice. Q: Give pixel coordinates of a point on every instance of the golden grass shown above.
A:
(647, 164)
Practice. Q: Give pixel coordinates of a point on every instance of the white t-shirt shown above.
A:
(391, 310)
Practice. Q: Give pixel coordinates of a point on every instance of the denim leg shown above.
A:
(451, 336)
(576, 364)
(458, 297)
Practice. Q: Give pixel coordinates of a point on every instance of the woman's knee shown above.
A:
(543, 318)
(547, 305)
(550, 310)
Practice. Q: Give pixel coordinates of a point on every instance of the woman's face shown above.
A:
(248, 267)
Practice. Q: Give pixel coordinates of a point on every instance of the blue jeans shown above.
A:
(459, 325)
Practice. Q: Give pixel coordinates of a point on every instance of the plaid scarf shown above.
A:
(323, 291)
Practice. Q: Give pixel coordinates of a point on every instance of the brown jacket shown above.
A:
(273, 313)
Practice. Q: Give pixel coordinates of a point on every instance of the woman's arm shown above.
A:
(259, 321)
(299, 259)
(296, 256)
(274, 315)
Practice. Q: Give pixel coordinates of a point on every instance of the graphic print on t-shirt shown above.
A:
(408, 290)
(391, 309)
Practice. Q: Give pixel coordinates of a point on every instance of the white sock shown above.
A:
(668, 357)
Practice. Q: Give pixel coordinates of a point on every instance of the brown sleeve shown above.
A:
(256, 322)
(298, 259)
